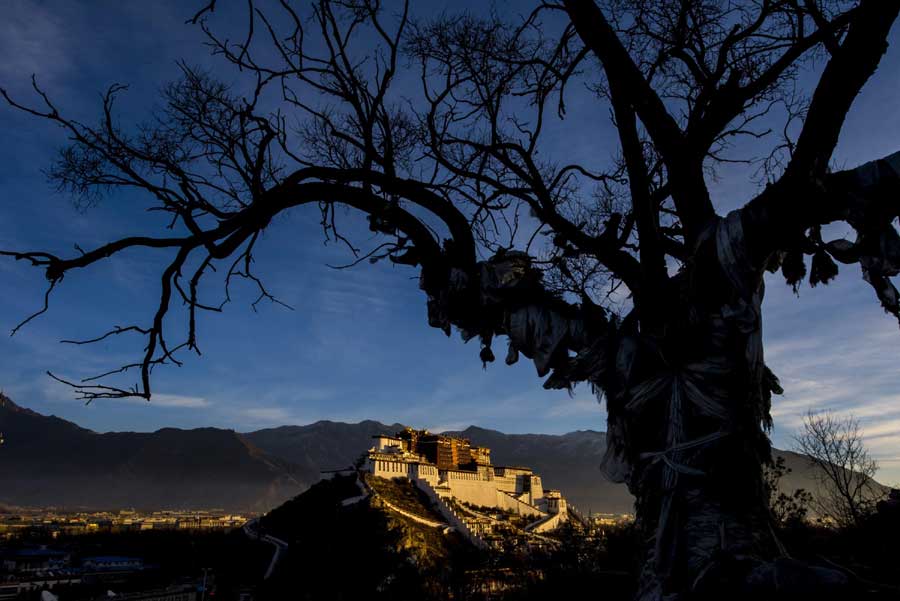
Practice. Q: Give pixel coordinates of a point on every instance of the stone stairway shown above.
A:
(451, 515)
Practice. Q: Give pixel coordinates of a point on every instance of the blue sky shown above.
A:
(357, 345)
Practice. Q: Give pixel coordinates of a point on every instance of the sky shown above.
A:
(356, 344)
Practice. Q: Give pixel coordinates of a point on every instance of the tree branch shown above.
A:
(845, 74)
(685, 171)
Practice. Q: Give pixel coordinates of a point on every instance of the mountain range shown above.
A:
(48, 461)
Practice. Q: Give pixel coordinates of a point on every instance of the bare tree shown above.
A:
(847, 491)
(512, 241)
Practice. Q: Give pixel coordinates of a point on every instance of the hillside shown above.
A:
(48, 461)
(341, 546)
(389, 555)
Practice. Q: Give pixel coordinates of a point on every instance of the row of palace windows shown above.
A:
(463, 475)
(390, 466)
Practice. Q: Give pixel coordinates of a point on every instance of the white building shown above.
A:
(516, 489)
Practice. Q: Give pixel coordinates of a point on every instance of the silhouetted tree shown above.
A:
(510, 240)
(786, 508)
(835, 445)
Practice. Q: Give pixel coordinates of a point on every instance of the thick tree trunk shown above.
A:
(688, 414)
(702, 510)
(697, 477)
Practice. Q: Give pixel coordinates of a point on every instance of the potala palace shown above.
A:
(464, 485)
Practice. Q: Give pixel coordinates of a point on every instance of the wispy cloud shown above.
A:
(180, 401)
(844, 365)
(250, 418)
(347, 292)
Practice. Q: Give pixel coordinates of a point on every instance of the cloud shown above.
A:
(180, 401)
(347, 291)
(169, 401)
(54, 391)
(276, 393)
(834, 349)
(267, 417)
(266, 413)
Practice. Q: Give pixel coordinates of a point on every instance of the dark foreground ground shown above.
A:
(364, 551)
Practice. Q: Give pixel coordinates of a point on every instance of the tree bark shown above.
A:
(688, 415)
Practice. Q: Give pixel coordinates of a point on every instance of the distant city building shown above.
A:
(35, 560)
(53, 524)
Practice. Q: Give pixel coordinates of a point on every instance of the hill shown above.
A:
(48, 461)
(332, 533)
(341, 545)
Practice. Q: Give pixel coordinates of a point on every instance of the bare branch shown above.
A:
(41, 311)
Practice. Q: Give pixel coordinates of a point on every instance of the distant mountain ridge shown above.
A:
(320, 446)
(48, 461)
(568, 462)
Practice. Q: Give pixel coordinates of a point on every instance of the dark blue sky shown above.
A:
(357, 345)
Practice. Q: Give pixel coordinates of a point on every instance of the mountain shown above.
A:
(320, 446)
(48, 461)
(568, 462)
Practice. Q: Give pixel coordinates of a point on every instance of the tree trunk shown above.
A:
(701, 501)
(702, 509)
(688, 414)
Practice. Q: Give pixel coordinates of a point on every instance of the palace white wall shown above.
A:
(450, 515)
(485, 488)
(551, 523)
(485, 494)
(421, 471)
